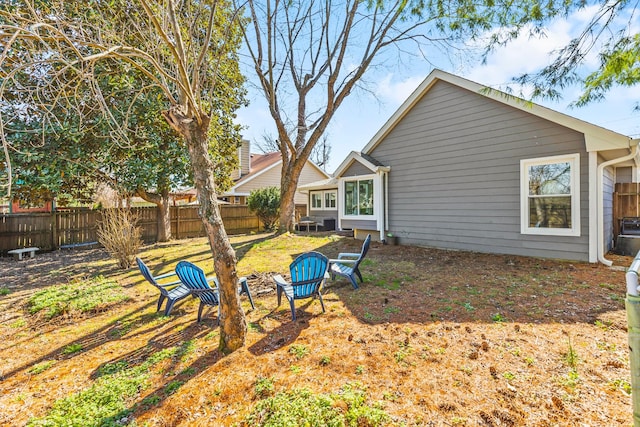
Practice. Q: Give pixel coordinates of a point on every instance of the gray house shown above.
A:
(462, 166)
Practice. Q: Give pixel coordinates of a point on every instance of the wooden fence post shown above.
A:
(54, 230)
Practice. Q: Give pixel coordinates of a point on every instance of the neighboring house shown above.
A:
(263, 170)
(461, 166)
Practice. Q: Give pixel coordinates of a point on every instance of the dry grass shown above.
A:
(439, 338)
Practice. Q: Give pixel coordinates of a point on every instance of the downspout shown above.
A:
(600, 201)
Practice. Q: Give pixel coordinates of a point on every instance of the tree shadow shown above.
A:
(111, 331)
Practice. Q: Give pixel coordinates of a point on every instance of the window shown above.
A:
(329, 198)
(358, 197)
(550, 196)
(316, 200)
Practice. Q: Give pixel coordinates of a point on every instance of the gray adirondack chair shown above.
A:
(172, 291)
(348, 264)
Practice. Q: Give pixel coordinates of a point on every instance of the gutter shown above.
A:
(600, 198)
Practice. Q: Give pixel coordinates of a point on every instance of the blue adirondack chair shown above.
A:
(307, 275)
(194, 278)
(173, 291)
(348, 264)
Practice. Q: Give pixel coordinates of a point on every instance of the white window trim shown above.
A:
(574, 231)
(311, 207)
(323, 199)
(341, 205)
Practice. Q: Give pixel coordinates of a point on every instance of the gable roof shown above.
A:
(596, 138)
(365, 159)
(260, 164)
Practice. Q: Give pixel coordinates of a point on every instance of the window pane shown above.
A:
(550, 179)
(316, 200)
(330, 200)
(365, 190)
(350, 198)
(550, 212)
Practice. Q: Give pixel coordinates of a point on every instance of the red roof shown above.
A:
(260, 162)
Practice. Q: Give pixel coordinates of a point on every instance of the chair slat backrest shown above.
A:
(363, 252)
(146, 273)
(194, 278)
(310, 266)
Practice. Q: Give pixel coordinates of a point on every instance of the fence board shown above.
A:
(69, 226)
(626, 203)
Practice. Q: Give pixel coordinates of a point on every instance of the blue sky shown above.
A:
(364, 112)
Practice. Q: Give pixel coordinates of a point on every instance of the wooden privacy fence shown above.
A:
(73, 227)
(626, 203)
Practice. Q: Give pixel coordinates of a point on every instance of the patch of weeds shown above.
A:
(299, 350)
(530, 361)
(608, 286)
(458, 421)
(605, 346)
(571, 357)
(390, 396)
(348, 407)
(325, 360)
(360, 369)
(295, 369)
(4, 291)
(18, 324)
(186, 348)
(515, 351)
(254, 327)
(263, 387)
(370, 317)
(616, 297)
(604, 325)
(570, 380)
(498, 318)
(190, 371)
(173, 386)
(81, 296)
(211, 335)
(467, 306)
(72, 348)
(150, 401)
(115, 394)
(41, 367)
(620, 384)
(112, 368)
(404, 351)
(467, 370)
(508, 375)
(391, 310)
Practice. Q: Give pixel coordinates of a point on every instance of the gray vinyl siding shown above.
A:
(455, 175)
(355, 169)
(607, 193)
(320, 215)
(350, 224)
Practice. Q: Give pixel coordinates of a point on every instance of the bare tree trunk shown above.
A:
(288, 186)
(164, 220)
(233, 325)
(164, 215)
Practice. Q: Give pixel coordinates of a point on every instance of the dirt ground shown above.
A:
(439, 338)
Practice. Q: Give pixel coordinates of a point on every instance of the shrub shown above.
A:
(265, 203)
(119, 234)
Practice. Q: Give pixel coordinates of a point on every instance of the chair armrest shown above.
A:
(170, 284)
(343, 261)
(162, 276)
(348, 255)
(280, 280)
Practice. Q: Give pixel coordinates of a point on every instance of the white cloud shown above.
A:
(395, 92)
